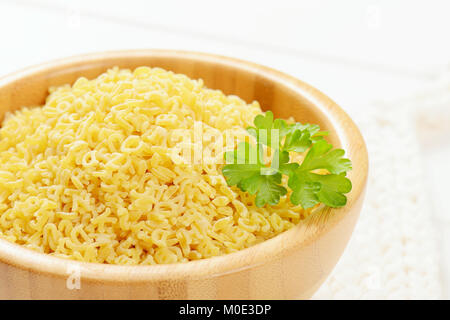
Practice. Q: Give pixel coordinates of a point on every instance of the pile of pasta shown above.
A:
(93, 174)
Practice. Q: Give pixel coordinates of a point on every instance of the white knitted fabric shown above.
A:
(393, 252)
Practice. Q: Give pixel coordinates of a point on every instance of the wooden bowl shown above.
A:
(291, 265)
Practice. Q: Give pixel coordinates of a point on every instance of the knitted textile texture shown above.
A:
(393, 251)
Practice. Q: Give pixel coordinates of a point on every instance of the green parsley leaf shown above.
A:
(298, 141)
(245, 167)
(266, 187)
(311, 188)
(313, 129)
(304, 190)
(267, 131)
(249, 174)
(320, 157)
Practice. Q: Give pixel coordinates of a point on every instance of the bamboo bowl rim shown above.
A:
(303, 234)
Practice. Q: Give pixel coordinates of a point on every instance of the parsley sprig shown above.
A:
(245, 166)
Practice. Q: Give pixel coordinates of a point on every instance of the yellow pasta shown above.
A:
(111, 170)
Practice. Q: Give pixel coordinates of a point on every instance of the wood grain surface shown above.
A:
(291, 265)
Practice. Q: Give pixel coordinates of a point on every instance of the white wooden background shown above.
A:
(356, 51)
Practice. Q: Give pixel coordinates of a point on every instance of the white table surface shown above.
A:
(355, 51)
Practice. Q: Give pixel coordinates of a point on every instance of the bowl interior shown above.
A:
(275, 91)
